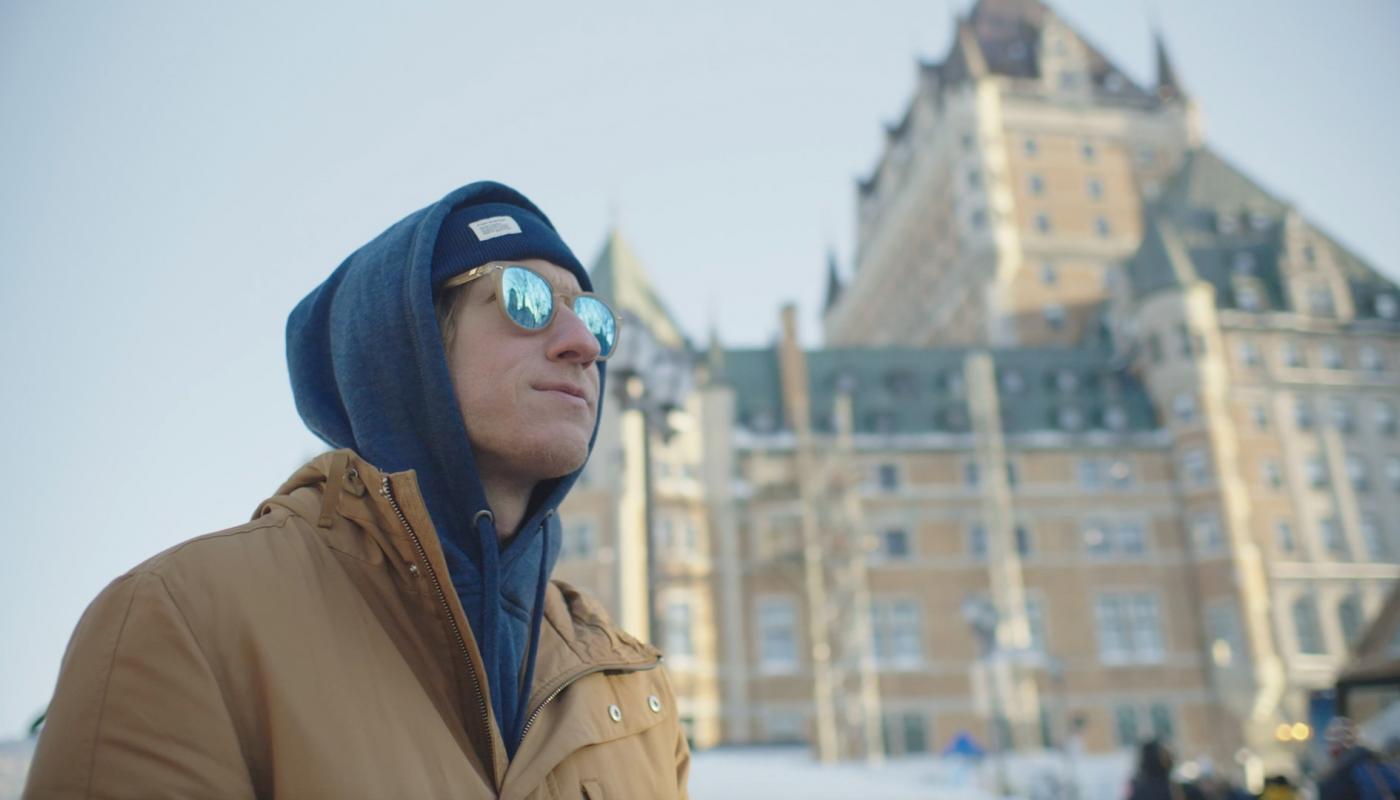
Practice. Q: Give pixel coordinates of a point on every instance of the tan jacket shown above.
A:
(313, 652)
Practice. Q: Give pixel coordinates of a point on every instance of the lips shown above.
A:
(569, 389)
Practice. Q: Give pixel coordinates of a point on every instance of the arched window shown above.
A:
(1306, 628)
(1349, 616)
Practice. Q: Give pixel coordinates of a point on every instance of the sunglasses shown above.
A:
(527, 300)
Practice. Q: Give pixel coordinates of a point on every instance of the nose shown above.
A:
(570, 340)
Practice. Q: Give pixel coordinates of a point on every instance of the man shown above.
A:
(1357, 772)
(385, 627)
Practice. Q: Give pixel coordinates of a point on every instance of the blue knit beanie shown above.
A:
(506, 227)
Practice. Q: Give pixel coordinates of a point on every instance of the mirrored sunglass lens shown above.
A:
(600, 322)
(529, 300)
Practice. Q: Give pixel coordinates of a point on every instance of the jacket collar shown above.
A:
(577, 636)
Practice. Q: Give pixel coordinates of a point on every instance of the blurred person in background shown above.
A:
(1278, 787)
(385, 625)
(1357, 771)
(1153, 779)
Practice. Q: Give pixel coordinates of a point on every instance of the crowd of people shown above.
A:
(1354, 772)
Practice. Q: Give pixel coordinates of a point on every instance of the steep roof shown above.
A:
(619, 277)
(918, 390)
(1213, 222)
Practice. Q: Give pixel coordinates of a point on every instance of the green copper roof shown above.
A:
(913, 390)
(619, 277)
(1214, 223)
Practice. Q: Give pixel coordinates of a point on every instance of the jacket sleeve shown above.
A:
(137, 711)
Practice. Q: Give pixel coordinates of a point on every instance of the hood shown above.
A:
(369, 373)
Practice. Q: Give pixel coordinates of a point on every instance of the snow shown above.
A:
(738, 773)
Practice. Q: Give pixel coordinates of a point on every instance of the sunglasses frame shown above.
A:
(497, 273)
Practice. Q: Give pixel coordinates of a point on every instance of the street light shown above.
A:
(982, 617)
(652, 379)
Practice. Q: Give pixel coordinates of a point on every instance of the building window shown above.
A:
(915, 732)
(1032, 148)
(1129, 628)
(1350, 619)
(1249, 354)
(1273, 476)
(1260, 415)
(978, 218)
(1090, 473)
(974, 179)
(1224, 632)
(1247, 296)
(1358, 473)
(777, 634)
(677, 630)
(1126, 726)
(967, 141)
(1370, 358)
(1332, 357)
(1036, 184)
(1374, 537)
(1184, 407)
(1054, 316)
(1283, 535)
(1023, 541)
(1195, 469)
(1095, 187)
(1317, 472)
(1154, 348)
(578, 541)
(1242, 263)
(977, 542)
(1302, 413)
(1385, 418)
(1342, 417)
(1333, 539)
(894, 544)
(1048, 274)
(1013, 382)
(1306, 627)
(1162, 727)
(1320, 302)
(1387, 307)
(1042, 222)
(888, 477)
(1120, 473)
(972, 473)
(1013, 474)
(1206, 535)
(1101, 227)
(1293, 355)
(897, 634)
(1104, 540)
(1392, 473)
(1088, 151)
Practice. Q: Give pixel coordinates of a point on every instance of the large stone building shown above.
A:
(1103, 441)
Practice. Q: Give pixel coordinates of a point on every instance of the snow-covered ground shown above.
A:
(14, 763)
(740, 773)
(774, 773)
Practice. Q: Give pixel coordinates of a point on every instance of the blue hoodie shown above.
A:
(369, 373)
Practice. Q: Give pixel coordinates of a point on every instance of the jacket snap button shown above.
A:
(654, 703)
(615, 713)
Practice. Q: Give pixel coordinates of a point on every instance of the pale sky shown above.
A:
(177, 175)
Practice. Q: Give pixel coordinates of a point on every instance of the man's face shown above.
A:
(529, 400)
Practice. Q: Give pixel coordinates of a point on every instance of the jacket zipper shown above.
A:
(574, 679)
(388, 493)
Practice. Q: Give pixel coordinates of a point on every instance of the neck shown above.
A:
(508, 499)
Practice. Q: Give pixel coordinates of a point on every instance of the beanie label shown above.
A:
(491, 227)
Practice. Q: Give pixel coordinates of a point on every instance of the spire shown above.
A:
(833, 281)
(619, 277)
(1168, 87)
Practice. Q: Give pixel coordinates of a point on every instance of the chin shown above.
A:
(558, 458)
